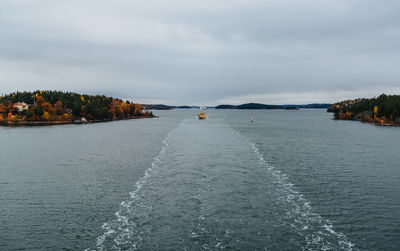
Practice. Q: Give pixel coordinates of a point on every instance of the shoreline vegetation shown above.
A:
(41, 108)
(383, 110)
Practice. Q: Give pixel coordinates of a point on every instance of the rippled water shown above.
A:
(292, 180)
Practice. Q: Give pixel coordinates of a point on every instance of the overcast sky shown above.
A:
(204, 51)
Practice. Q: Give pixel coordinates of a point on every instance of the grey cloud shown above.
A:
(191, 52)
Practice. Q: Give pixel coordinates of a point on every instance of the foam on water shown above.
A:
(120, 230)
(130, 230)
(301, 215)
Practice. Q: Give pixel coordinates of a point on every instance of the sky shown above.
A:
(202, 52)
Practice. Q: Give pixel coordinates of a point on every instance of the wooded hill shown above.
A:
(384, 109)
(65, 106)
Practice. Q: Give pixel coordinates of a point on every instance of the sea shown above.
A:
(289, 180)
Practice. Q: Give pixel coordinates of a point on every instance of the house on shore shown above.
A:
(21, 106)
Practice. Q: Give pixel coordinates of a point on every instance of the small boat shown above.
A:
(201, 115)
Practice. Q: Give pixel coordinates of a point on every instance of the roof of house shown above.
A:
(20, 103)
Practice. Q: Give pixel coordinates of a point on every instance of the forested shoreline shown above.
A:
(383, 110)
(56, 107)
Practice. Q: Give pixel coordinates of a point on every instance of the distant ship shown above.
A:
(202, 115)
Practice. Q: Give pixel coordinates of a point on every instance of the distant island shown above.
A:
(168, 107)
(314, 106)
(383, 110)
(156, 107)
(56, 107)
(250, 106)
(264, 106)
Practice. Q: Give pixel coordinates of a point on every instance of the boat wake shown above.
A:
(215, 190)
(318, 232)
(322, 235)
(118, 233)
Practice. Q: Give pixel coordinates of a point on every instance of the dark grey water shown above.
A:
(292, 180)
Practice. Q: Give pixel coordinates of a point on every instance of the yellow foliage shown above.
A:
(46, 116)
(83, 98)
(66, 116)
(375, 109)
(124, 107)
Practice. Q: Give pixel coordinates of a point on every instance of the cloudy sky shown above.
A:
(203, 51)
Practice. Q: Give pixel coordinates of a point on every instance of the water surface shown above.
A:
(292, 180)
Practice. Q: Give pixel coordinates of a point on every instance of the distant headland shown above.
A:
(250, 106)
(56, 107)
(264, 106)
(382, 110)
(168, 107)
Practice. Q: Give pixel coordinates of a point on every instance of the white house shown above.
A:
(21, 106)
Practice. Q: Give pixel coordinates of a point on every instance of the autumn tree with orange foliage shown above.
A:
(10, 106)
(47, 107)
(3, 109)
(59, 108)
(40, 100)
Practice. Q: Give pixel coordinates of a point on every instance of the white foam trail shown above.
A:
(302, 214)
(120, 218)
(299, 213)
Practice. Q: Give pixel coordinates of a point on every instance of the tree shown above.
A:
(3, 108)
(58, 107)
(10, 106)
(28, 114)
(39, 100)
(46, 116)
(37, 111)
(46, 106)
(375, 111)
(83, 111)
